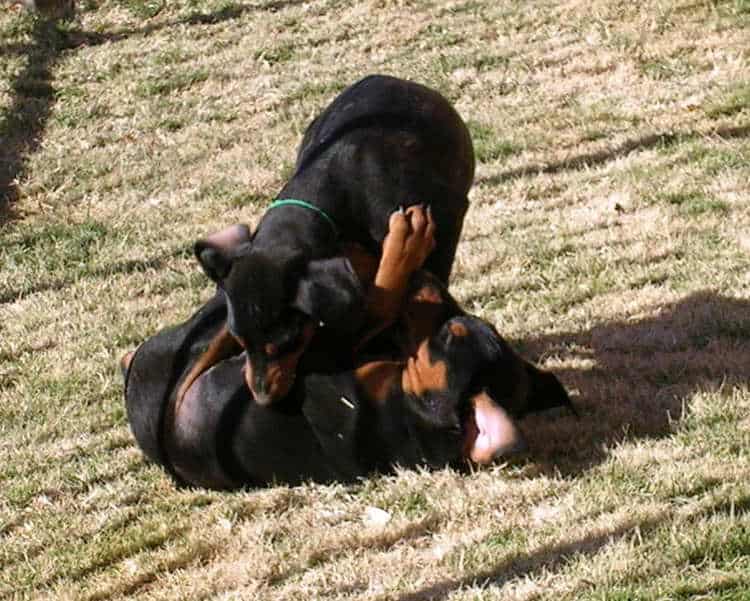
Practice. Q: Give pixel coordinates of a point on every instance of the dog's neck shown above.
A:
(312, 235)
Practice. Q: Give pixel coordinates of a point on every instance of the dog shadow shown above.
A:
(662, 139)
(632, 379)
(635, 378)
(552, 558)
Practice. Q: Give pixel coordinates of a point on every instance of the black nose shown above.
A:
(260, 392)
(262, 398)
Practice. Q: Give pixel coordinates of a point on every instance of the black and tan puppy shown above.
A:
(441, 388)
(455, 401)
(382, 143)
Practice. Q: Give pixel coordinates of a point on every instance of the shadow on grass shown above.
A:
(105, 271)
(23, 122)
(639, 376)
(553, 558)
(228, 12)
(664, 139)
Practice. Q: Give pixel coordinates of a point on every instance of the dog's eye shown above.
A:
(286, 340)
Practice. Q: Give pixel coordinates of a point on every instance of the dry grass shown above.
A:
(608, 239)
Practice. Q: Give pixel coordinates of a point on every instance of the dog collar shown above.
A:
(301, 203)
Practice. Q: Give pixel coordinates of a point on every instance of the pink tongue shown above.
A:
(496, 432)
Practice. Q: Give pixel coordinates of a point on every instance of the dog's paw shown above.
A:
(410, 239)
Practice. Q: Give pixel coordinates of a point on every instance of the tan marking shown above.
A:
(429, 293)
(247, 372)
(126, 360)
(458, 329)
(280, 374)
(423, 315)
(422, 375)
(409, 241)
(377, 378)
(222, 346)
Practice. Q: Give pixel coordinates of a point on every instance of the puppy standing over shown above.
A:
(382, 143)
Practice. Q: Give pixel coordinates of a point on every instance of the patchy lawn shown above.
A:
(608, 238)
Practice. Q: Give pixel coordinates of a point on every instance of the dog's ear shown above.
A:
(545, 391)
(330, 292)
(522, 387)
(217, 252)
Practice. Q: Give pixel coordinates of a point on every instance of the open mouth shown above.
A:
(491, 433)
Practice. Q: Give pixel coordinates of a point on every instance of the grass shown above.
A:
(607, 239)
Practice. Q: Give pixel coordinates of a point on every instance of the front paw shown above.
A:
(410, 239)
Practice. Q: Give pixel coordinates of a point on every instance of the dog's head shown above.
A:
(465, 378)
(275, 301)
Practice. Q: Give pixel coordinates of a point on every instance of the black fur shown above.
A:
(382, 143)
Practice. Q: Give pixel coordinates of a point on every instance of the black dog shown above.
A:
(446, 394)
(169, 363)
(381, 144)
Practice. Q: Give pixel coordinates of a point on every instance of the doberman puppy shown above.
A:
(445, 393)
(382, 143)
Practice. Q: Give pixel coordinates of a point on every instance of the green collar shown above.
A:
(301, 203)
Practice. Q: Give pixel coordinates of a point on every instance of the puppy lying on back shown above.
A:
(438, 388)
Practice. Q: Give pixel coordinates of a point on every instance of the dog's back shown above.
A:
(389, 105)
(385, 142)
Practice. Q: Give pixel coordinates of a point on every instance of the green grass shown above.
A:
(607, 239)
(143, 9)
(735, 101)
(165, 84)
(489, 145)
(692, 202)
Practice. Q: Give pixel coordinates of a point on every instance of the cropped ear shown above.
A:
(523, 388)
(217, 252)
(330, 292)
(546, 391)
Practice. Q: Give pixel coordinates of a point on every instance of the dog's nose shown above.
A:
(263, 392)
(260, 394)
